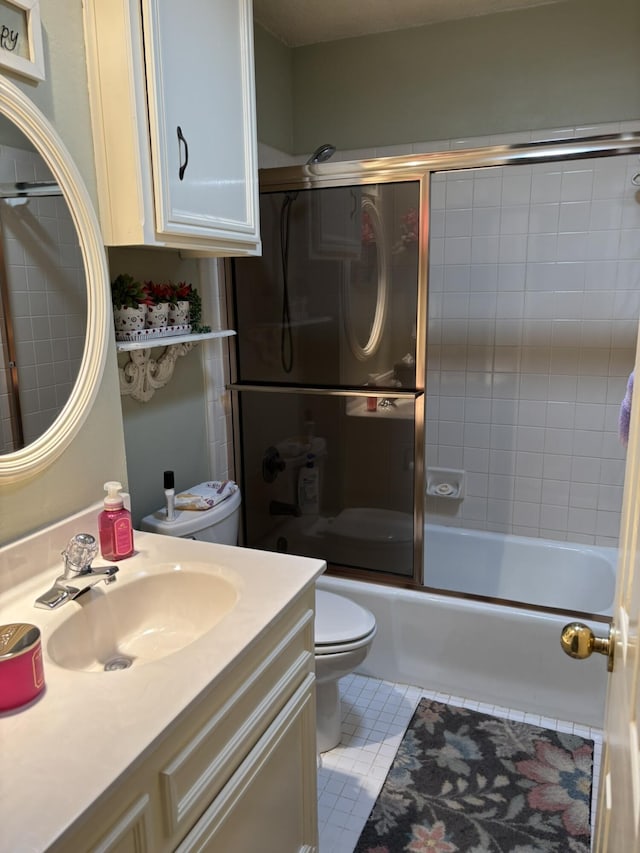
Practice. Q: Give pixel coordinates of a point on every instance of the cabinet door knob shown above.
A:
(183, 165)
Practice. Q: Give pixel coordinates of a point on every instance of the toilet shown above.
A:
(344, 630)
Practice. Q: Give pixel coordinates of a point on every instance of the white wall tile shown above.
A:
(546, 186)
(487, 192)
(577, 184)
(459, 193)
(512, 247)
(585, 469)
(485, 250)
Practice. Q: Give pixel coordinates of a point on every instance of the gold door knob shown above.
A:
(579, 641)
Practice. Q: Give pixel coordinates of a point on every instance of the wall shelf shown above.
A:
(403, 406)
(141, 375)
(127, 346)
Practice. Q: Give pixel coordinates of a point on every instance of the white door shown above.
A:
(618, 819)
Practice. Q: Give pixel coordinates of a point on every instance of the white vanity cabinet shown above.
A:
(172, 98)
(236, 772)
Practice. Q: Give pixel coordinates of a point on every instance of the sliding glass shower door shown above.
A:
(330, 409)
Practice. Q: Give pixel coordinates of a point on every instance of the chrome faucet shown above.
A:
(78, 576)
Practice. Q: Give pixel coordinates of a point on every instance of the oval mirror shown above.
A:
(54, 288)
(365, 294)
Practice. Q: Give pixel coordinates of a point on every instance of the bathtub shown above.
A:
(492, 653)
(560, 575)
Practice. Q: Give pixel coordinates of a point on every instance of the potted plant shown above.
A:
(128, 300)
(179, 307)
(158, 299)
(195, 311)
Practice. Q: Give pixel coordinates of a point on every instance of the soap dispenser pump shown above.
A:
(114, 525)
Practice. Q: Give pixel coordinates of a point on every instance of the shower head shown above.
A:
(321, 154)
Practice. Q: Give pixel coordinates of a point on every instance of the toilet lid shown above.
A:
(340, 620)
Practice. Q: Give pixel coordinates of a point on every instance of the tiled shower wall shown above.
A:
(534, 305)
(47, 294)
(534, 299)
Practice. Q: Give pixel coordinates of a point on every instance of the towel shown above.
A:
(206, 495)
(625, 412)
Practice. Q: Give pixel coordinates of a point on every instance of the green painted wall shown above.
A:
(274, 90)
(570, 63)
(169, 431)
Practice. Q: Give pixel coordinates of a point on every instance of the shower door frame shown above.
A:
(414, 168)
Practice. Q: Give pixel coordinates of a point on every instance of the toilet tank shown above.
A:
(218, 524)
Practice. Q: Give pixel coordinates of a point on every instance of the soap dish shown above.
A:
(447, 483)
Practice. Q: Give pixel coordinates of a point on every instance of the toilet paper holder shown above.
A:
(445, 483)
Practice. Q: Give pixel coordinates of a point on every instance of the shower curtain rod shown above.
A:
(30, 189)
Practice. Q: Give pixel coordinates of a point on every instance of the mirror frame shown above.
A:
(364, 351)
(37, 455)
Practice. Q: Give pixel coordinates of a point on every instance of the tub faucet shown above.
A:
(78, 576)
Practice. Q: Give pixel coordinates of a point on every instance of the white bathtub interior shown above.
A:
(535, 571)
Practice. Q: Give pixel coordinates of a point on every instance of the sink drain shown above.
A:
(120, 662)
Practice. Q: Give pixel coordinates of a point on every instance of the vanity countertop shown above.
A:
(62, 752)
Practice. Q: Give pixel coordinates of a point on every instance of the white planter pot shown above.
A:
(179, 313)
(129, 319)
(157, 315)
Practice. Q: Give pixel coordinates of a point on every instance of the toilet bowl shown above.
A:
(368, 537)
(372, 537)
(344, 632)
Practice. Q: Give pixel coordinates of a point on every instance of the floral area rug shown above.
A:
(465, 781)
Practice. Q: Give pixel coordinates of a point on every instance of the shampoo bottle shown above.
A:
(309, 487)
(114, 525)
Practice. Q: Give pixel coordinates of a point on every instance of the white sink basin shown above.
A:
(142, 620)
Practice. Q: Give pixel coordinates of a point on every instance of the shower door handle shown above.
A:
(579, 641)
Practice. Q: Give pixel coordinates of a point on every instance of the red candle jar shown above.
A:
(21, 672)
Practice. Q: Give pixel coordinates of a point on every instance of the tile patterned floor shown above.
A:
(375, 715)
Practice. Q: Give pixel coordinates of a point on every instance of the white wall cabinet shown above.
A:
(236, 772)
(173, 114)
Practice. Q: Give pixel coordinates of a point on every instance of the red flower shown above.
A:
(410, 224)
(431, 840)
(155, 293)
(565, 784)
(147, 289)
(368, 235)
(182, 290)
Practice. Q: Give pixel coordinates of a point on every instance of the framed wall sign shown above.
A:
(21, 38)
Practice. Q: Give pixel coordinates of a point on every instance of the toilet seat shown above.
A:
(341, 625)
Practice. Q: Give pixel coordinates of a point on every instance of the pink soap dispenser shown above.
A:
(114, 525)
